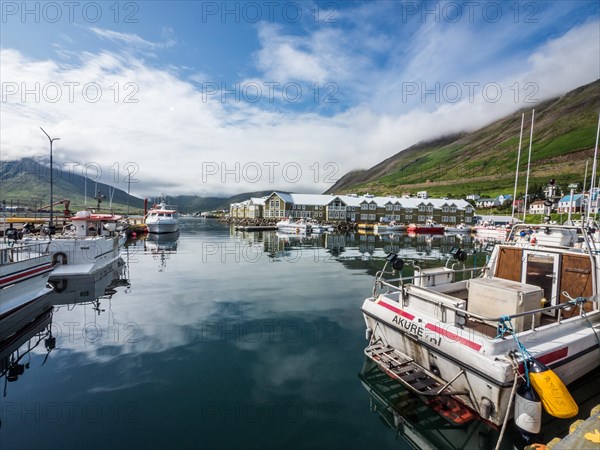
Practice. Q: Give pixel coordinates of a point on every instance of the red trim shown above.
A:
(24, 274)
(453, 336)
(396, 310)
(550, 357)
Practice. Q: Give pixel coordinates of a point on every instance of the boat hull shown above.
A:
(23, 282)
(162, 227)
(481, 366)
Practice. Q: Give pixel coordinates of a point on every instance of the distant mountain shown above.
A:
(26, 182)
(195, 203)
(483, 161)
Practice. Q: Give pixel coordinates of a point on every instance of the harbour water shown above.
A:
(219, 339)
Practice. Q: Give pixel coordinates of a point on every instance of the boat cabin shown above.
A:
(87, 224)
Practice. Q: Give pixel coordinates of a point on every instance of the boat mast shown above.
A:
(512, 219)
(592, 186)
(528, 164)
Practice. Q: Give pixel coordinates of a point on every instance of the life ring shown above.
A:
(63, 259)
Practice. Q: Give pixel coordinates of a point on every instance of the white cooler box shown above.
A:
(495, 297)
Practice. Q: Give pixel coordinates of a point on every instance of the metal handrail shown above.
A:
(497, 319)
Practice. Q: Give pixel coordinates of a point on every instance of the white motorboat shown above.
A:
(295, 226)
(24, 272)
(498, 233)
(162, 219)
(390, 227)
(460, 228)
(472, 334)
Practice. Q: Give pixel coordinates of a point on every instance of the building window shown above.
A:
(389, 207)
(421, 219)
(467, 219)
(453, 209)
(371, 216)
(372, 207)
(397, 207)
(445, 209)
(421, 208)
(364, 207)
(430, 209)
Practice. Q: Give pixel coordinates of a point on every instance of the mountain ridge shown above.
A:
(483, 161)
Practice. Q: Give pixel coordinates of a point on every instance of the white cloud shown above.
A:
(174, 131)
(133, 39)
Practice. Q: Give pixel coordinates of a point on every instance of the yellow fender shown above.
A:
(555, 396)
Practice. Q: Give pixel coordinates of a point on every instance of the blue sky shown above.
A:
(217, 98)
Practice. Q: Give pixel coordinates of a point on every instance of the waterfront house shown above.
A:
(537, 207)
(354, 208)
(566, 203)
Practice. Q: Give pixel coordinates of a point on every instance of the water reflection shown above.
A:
(15, 350)
(161, 247)
(360, 249)
(416, 423)
(33, 331)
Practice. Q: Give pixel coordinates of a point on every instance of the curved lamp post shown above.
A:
(51, 225)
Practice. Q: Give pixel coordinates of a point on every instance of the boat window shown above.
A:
(161, 214)
(540, 272)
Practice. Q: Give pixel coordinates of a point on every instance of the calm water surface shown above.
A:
(221, 340)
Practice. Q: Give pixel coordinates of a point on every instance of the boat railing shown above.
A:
(16, 252)
(573, 302)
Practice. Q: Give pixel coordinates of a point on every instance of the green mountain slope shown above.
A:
(483, 162)
(26, 182)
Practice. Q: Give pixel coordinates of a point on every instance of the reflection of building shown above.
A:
(354, 208)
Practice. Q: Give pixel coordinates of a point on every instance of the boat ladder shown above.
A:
(414, 377)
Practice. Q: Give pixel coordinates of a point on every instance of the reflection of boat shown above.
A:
(420, 425)
(294, 226)
(18, 346)
(24, 272)
(161, 246)
(458, 337)
(164, 241)
(429, 227)
(88, 288)
(162, 219)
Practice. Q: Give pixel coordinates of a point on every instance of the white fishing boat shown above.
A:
(24, 272)
(294, 226)
(474, 335)
(87, 243)
(162, 219)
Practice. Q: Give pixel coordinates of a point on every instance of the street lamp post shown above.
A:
(51, 225)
